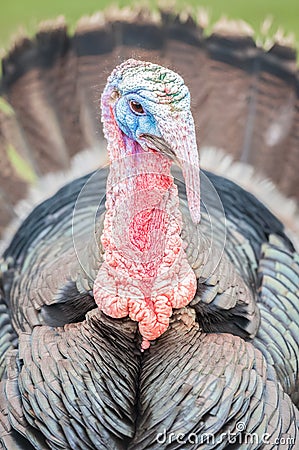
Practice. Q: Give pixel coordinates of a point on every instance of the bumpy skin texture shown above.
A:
(147, 274)
(80, 381)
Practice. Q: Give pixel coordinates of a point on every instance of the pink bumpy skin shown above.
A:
(145, 273)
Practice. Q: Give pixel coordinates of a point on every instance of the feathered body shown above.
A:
(126, 322)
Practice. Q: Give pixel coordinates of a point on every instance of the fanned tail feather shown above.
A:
(245, 99)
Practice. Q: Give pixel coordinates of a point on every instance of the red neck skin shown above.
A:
(145, 273)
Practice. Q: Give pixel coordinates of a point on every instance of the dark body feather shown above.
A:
(88, 385)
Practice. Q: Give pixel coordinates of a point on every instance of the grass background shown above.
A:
(26, 14)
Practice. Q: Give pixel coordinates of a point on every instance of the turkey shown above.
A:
(142, 306)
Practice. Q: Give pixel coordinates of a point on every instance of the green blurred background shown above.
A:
(27, 13)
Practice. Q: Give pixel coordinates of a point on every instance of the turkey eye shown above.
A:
(136, 107)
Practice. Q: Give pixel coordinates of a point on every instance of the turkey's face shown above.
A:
(148, 124)
(151, 106)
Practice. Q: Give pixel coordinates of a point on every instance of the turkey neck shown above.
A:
(142, 219)
(145, 272)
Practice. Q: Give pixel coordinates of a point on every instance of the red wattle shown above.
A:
(145, 273)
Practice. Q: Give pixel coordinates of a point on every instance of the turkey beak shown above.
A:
(178, 142)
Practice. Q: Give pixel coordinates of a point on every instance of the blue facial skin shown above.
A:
(134, 124)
